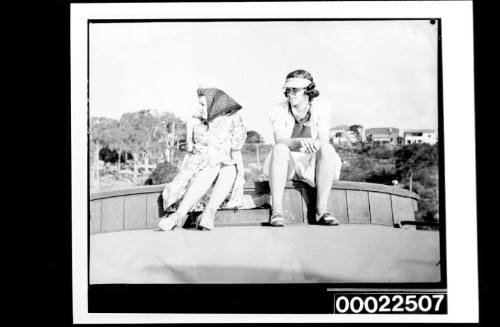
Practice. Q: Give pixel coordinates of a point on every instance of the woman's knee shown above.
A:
(208, 173)
(229, 170)
(327, 151)
(281, 151)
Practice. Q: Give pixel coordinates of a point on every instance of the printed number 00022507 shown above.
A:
(391, 303)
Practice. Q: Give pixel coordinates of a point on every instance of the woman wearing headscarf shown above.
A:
(217, 141)
(302, 151)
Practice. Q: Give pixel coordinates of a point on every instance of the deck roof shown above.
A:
(354, 253)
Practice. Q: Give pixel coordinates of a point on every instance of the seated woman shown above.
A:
(301, 127)
(218, 138)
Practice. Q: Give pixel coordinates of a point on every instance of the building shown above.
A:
(420, 136)
(343, 134)
(359, 131)
(338, 129)
(339, 134)
(384, 135)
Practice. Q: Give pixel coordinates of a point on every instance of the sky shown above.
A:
(373, 73)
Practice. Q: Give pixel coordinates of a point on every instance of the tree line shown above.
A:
(414, 166)
(145, 134)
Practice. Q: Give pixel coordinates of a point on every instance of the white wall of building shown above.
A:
(430, 138)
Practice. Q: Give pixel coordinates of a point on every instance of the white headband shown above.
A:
(297, 82)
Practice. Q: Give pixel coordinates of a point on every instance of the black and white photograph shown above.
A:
(256, 158)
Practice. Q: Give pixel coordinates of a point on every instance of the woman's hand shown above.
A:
(309, 144)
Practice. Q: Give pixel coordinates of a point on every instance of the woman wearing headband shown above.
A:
(218, 139)
(301, 126)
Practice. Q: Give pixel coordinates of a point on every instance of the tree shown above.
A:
(355, 128)
(147, 135)
(369, 138)
(254, 137)
(412, 157)
(174, 133)
(117, 142)
(417, 166)
(139, 128)
(163, 173)
(359, 131)
(100, 136)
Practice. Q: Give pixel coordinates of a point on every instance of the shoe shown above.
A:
(326, 219)
(205, 221)
(277, 220)
(170, 222)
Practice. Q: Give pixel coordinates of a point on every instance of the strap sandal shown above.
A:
(170, 222)
(326, 219)
(277, 220)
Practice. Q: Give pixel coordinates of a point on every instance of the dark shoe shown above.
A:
(326, 219)
(277, 220)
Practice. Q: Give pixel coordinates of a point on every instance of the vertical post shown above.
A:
(258, 157)
(146, 164)
(97, 177)
(118, 164)
(172, 142)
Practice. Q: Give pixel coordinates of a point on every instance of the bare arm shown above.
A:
(293, 144)
(308, 144)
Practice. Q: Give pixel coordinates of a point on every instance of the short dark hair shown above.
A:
(310, 91)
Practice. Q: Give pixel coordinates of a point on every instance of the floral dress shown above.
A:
(218, 143)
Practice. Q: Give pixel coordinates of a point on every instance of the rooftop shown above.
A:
(382, 130)
(419, 131)
(340, 128)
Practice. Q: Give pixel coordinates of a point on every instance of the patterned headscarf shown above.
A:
(218, 103)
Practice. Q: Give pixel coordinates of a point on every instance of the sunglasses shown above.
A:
(293, 90)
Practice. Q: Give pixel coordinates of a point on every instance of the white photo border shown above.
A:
(459, 136)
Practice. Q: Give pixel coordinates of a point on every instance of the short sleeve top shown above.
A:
(283, 122)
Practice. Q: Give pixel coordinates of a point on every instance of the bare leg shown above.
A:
(198, 188)
(326, 165)
(278, 174)
(221, 189)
